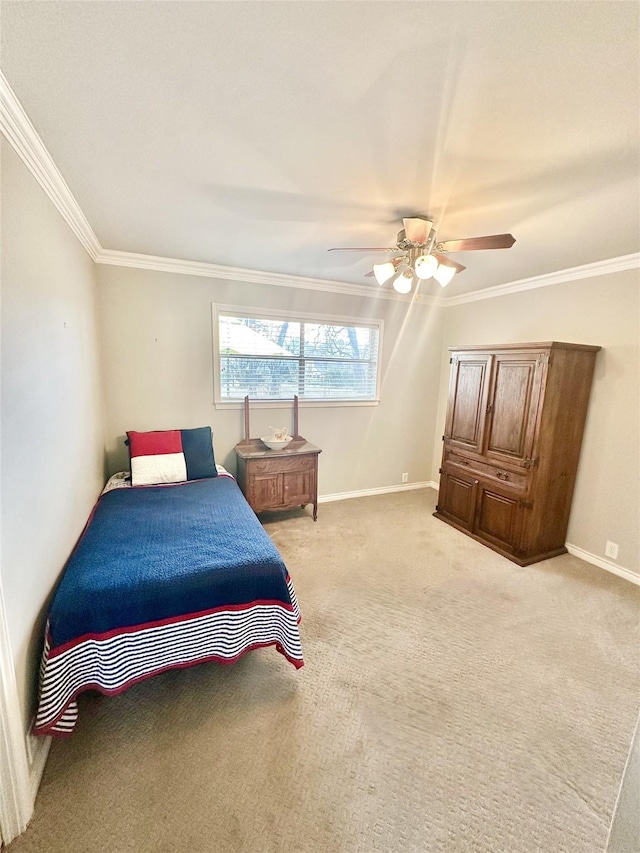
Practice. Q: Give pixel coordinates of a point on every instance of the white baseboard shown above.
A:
(39, 753)
(607, 565)
(16, 803)
(22, 757)
(365, 493)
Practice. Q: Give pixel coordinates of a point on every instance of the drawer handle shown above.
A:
(463, 461)
(502, 475)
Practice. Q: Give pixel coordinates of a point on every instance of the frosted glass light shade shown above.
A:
(425, 266)
(402, 283)
(383, 272)
(444, 274)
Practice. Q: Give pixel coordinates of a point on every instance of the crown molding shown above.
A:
(24, 139)
(612, 265)
(207, 270)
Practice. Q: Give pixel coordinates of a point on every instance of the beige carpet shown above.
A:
(451, 701)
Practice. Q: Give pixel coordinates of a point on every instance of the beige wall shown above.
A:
(602, 311)
(52, 453)
(157, 345)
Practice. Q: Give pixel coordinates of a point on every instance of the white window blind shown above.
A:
(273, 358)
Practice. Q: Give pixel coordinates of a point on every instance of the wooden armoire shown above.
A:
(513, 431)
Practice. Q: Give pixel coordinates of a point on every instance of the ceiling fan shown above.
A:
(423, 255)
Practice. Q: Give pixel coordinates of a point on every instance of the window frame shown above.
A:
(291, 316)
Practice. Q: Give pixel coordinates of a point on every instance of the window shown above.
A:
(272, 356)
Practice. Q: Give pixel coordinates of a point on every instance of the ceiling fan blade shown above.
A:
(449, 262)
(417, 229)
(369, 274)
(471, 244)
(364, 249)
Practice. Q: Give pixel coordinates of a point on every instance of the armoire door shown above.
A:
(512, 411)
(457, 497)
(499, 518)
(468, 392)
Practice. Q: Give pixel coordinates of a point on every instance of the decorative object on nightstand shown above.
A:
(278, 477)
(278, 439)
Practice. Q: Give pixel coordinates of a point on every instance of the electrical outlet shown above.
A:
(611, 550)
(405, 477)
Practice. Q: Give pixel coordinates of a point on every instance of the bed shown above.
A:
(163, 576)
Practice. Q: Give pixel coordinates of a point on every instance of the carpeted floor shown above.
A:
(451, 702)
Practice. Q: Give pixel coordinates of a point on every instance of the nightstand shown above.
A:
(279, 479)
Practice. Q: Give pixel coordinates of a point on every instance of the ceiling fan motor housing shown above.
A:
(405, 244)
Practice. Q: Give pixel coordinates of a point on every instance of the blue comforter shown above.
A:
(162, 577)
(157, 552)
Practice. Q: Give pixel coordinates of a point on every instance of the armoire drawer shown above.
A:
(483, 469)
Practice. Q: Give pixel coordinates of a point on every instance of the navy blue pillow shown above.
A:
(197, 446)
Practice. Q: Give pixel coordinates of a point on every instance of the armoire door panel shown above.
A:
(457, 498)
(513, 407)
(499, 518)
(468, 401)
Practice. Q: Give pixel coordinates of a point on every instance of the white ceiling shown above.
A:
(259, 134)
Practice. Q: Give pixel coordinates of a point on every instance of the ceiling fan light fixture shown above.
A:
(443, 274)
(425, 266)
(403, 281)
(383, 272)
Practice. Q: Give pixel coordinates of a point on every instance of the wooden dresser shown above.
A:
(279, 479)
(513, 432)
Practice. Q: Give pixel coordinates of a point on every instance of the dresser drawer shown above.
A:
(483, 469)
(281, 464)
